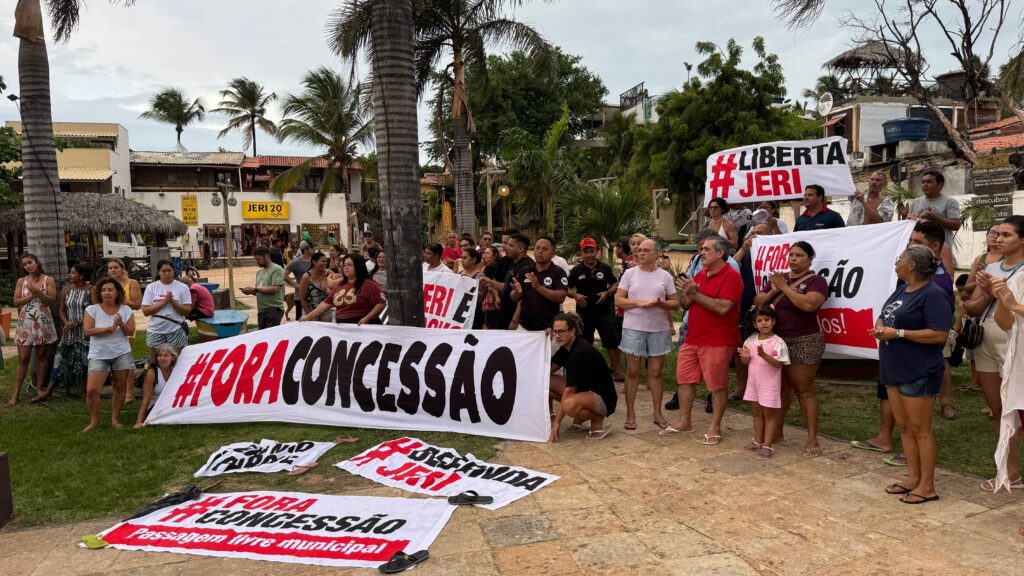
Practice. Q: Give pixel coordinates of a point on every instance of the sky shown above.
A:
(120, 57)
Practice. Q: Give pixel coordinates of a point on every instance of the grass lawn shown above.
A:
(850, 412)
(60, 475)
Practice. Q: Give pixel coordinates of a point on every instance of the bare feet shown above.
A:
(41, 398)
(90, 427)
(12, 402)
(139, 426)
(116, 424)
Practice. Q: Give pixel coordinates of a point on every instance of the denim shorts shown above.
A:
(927, 386)
(122, 362)
(640, 343)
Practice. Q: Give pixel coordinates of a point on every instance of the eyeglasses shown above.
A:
(992, 233)
(557, 332)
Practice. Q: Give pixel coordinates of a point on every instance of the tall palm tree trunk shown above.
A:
(465, 199)
(252, 127)
(44, 218)
(394, 110)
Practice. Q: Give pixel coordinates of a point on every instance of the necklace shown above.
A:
(1012, 268)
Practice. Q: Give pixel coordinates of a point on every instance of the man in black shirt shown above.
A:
(592, 284)
(510, 265)
(541, 289)
(586, 392)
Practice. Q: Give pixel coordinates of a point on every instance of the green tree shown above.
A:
(330, 116)
(724, 106)
(827, 84)
(457, 34)
(385, 29)
(10, 151)
(171, 106)
(538, 170)
(245, 102)
(604, 213)
(513, 94)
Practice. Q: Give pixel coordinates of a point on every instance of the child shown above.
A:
(765, 353)
(156, 379)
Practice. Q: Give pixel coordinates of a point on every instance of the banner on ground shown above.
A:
(857, 262)
(266, 456)
(412, 464)
(488, 383)
(449, 300)
(356, 531)
(779, 171)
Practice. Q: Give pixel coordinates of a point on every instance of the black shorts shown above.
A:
(883, 394)
(605, 326)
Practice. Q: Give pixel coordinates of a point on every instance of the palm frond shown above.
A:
(287, 181)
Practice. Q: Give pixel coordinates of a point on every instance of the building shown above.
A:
(95, 156)
(187, 183)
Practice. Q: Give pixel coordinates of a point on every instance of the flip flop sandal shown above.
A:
(752, 447)
(629, 425)
(401, 561)
(578, 428)
(921, 499)
(765, 452)
(896, 460)
(596, 434)
(812, 452)
(990, 485)
(93, 542)
(711, 440)
(470, 497)
(899, 490)
(867, 445)
(671, 430)
(663, 424)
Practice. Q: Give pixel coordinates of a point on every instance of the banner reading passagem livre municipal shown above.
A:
(778, 171)
(857, 262)
(489, 383)
(359, 531)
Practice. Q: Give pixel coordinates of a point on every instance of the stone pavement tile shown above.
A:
(574, 452)
(952, 510)
(725, 564)
(74, 560)
(612, 469)
(837, 500)
(968, 488)
(969, 548)
(842, 537)
(517, 530)
(675, 452)
(476, 563)
(696, 476)
(908, 558)
(636, 517)
(785, 554)
(459, 537)
(895, 519)
(523, 507)
(737, 493)
(848, 568)
(540, 558)
(619, 550)
(997, 525)
(824, 467)
(132, 559)
(596, 520)
(781, 480)
(1008, 567)
(737, 421)
(562, 497)
(673, 541)
(647, 489)
(619, 444)
(736, 463)
(568, 475)
(729, 528)
(870, 484)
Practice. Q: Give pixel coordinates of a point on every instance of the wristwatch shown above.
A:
(899, 333)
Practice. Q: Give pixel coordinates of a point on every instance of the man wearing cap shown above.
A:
(592, 285)
(298, 268)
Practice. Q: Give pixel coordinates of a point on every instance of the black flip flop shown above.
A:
(470, 497)
(400, 561)
(923, 499)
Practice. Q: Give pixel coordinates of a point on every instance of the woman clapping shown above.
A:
(108, 325)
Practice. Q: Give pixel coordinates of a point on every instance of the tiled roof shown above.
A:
(997, 125)
(998, 142)
(76, 129)
(287, 162)
(84, 174)
(189, 158)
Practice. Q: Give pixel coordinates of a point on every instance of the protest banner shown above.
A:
(266, 456)
(778, 171)
(488, 383)
(356, 531)
(857, 262)
(449, 300)
(412, 464)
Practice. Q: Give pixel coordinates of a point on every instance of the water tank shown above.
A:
(906, 129)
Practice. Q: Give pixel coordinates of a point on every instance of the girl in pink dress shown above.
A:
(764, 353)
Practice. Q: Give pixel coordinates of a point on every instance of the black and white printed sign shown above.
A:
(266, 456)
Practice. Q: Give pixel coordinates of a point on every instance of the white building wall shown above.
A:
(302, 209)
(872, 116)
(120, 163)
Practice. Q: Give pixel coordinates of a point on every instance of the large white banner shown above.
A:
(779, 171)
(449, 300)
(358, 531)
(858, 264)
(412, 464)
(265, 456)
(483, 382)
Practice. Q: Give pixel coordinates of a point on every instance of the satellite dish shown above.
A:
(825, 103)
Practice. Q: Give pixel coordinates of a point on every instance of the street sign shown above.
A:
(994, 174)
(190, 209)
(1002, 203)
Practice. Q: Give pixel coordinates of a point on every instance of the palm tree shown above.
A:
(170, 106)
(537, 170)
(44, 222)
(389, 40)
(329, 115)
(458, 31)
(827, 84)
(604, 213)
(245, 101)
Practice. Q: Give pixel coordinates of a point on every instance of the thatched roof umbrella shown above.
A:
(94, 213)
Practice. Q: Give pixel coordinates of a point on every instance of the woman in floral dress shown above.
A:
(33, 295)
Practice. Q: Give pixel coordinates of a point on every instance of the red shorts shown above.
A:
(707, 363)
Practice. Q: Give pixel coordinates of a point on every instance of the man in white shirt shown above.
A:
(432, 258)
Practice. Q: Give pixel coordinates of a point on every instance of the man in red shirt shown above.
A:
(202, 300)
(713, 298)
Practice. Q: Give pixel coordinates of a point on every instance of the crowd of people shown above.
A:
(769, 332)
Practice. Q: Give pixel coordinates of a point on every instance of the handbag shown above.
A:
(973, 331)
(183, 324)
